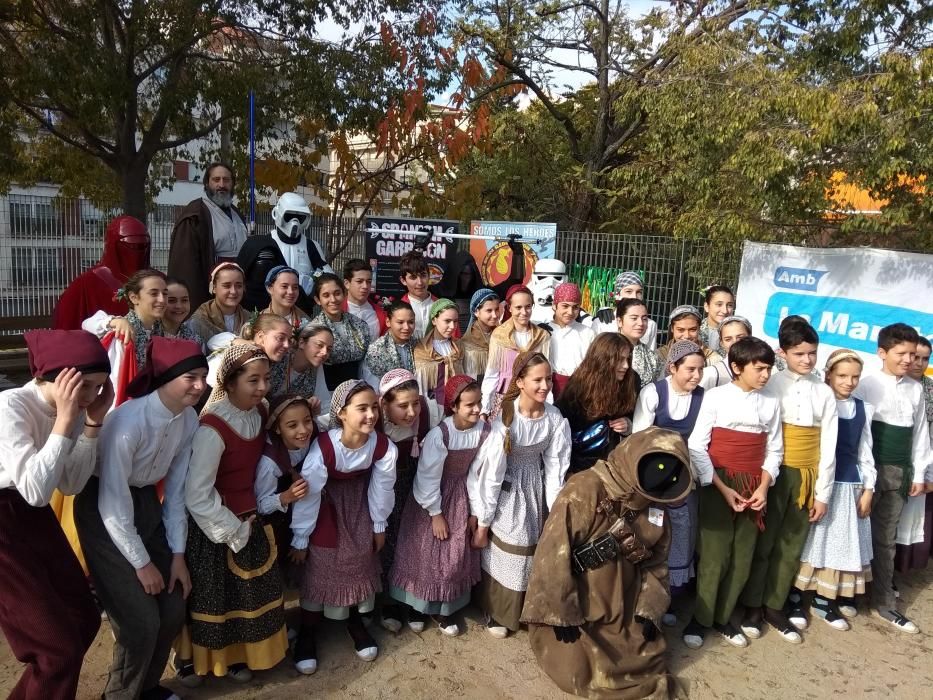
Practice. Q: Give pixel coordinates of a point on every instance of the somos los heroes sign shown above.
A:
(848, 294)
(388, 239)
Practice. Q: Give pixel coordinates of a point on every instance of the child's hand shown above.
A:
(295, 492)
(916, 489)
(97, 411)
(471, 525)
(67, 392)
(122, 330)
(439, 527)
(150, 578)
(315, 403)
(621, 425)
(379, 541)
(179, 574)
(817, 511)
(863, 506)
(480, 538)
(297, 556)
(735, 501)
(759, 498)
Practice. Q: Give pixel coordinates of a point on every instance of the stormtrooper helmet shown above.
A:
(548, 273)
(292, 217)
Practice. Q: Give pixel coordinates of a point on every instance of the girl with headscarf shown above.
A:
(435, 566)
(49, 442)
(223, 313)
(284, 290)
(518, 473)
(236, 589)
(516, 335)
(406, 417)
(338, 530)
(484, 317)
(731, 329)
(438, 355)
(632, 321)
(351, 337)
(570, 339)
(685, 325)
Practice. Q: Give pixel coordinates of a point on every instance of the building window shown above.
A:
(33, 218)
(35, 267)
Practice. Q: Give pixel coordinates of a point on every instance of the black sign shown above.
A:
(387, 240)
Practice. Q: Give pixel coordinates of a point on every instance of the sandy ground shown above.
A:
(871, 660)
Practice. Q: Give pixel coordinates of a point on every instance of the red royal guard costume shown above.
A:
(126, 250)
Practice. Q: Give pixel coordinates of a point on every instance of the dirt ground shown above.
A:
(871, 660)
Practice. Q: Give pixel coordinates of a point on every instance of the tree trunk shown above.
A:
(134, 177)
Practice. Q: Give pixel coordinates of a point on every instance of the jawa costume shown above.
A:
(126, 251)
(599, 582)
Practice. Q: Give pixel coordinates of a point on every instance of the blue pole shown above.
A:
(252, 159)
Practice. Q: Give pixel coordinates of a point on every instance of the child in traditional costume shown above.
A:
(177, 309)
(298, 372)
(438, 355)
(801, 493)
(359, 300)
(435, 565)
(484, 317)
(351, 337)
(414, 276)
(674, 403)
(516, 335)
(685, 325)
(718, 304)
(406, 418)
(338, 531)
(903, 458)
(598, 586)
(271, 333)
(236, 619)
(632, 321)
(284, 291)
(520, 469)
(290, 430)
(223, 313)
(836, 558)
(49, 441)
(736, 448)
(629, 285)
(135, 544)
(570, 339)
(395, 349)
(731, 329)
(599, 405)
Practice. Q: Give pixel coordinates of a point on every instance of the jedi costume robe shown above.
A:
(614, 604)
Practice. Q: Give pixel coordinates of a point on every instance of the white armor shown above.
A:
(292, 218)
(548, 273)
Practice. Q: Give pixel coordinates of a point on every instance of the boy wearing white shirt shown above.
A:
(736, 448)
(901, 446)
(134, 544)
(799, 497)
(570, 339)
(358, 281)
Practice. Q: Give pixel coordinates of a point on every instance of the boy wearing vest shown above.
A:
(901, 446)
(800, 495)
(736, 449)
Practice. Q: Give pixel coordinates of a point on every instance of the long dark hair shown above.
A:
(590, 392)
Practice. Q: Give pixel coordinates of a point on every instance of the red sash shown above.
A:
(325, 531)
(741, 455)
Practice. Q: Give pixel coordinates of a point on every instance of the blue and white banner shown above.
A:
(848, 294)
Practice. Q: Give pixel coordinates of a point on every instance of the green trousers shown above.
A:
(777, 554)
(726, 544)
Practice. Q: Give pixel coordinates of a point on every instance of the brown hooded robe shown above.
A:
(611, 659)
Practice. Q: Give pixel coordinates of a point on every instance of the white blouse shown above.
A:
(678, 405)
(141, 443)
(866, 458)
(716, 374)
(381, 493)
(568, 346)
(899, 401)
(744, 411)
(33, 460)
(219, 523)
(268, 474)
(484, 482)
(427, 485)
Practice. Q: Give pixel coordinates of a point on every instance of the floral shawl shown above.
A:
(385, 354)
(351, 337)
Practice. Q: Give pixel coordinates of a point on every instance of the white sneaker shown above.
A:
(390, 624)
(732, 635)
(901, 622)
(306, 667)
(669, 619)
(451, 630)
(799, 619)
(750, 631)
(496, 630)
(368, 654)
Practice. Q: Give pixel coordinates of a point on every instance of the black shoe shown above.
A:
(779, 621)
(732, 635)
(694, 633)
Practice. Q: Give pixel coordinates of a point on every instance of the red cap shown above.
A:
(51, 351)
(453, 387)
(166, 359)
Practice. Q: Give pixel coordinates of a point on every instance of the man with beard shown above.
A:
(208, 231)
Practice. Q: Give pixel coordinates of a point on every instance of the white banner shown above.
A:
(848, 294)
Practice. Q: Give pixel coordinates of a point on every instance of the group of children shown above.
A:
(392, 466)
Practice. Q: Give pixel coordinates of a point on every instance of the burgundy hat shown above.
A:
(166, 359)
(51, 351)
(567, 292)
(453, 387)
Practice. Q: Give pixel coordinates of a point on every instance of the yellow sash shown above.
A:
(802, 452)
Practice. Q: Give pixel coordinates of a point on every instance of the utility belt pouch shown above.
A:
(593, 554)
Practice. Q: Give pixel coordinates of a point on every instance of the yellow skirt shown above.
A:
(63, 507)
